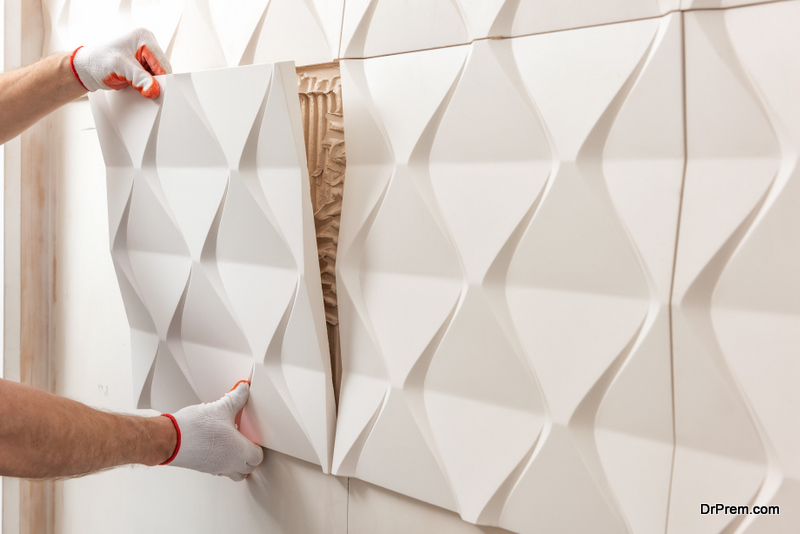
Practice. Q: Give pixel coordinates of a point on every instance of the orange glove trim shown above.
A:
(72, 66)
(239, 382)
(178, 443)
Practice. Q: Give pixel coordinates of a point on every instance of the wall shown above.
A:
(741, 130)
(92, 347)
(93, 366)
(92, 359)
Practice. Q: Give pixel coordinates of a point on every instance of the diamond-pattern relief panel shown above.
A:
(377, 27)
(718, 4)
(588, 286)
(213, 241)
(503, 295)
(736, 297)
(206, 34)
(393, 250)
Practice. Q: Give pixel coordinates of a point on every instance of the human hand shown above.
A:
(132, 59)
(208, 440)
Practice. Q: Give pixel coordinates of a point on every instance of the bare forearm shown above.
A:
(43, 436)
(30, 93)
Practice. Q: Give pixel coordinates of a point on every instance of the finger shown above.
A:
(236, 477)
(150, 54)
(148, 61)
(239, 382)
(130, 72)
(236, 399)
(254, 454)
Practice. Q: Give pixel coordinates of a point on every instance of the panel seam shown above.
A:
(341, 30)
(505, 38)
(674, 267)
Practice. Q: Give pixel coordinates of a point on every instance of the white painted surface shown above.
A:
(212, 235)
(741, 440)
(92, 345)
(206, 34)
(375, 510)
(283, 496)
(380, 27)
(92, 342)
(503, 296)
(736, 305)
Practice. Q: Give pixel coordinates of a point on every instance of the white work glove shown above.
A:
(132, 60)
(208, 440)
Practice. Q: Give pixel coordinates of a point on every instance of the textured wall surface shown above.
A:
(523, 206)
(206, 34)
(737, 290)
(213, 241)
(377, 27)
(504, 269)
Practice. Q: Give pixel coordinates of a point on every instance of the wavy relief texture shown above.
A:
(213, 240)
(701, 4)
(377, 27)
(503, 296)
(205, 34)
(737, 293)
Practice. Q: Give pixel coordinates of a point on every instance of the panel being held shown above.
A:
(736, 306)
(205, 34)
(213, 240)
(502, 292)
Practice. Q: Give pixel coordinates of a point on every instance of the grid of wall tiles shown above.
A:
(568, 265)
(568, 254)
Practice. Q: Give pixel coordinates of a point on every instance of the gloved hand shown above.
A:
(132, 59)
(209, 441)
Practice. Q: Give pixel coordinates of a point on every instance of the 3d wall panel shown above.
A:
(718, 4)
(736, 304)
(377, 27)
(213, 241)
(506, 251)
(206, 34)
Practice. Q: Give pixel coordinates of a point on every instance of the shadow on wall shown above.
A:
(281, 486)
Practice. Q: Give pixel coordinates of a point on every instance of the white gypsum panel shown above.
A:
(218, 33)
(212, 237)
(717, 4)
(206, 34)
(736, 306)
(505, 259)
(377, 27)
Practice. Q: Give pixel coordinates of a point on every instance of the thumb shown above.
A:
(254, 454)
(237, 398)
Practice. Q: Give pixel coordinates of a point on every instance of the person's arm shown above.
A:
(30, 93)
(47, 436)
(44, 436)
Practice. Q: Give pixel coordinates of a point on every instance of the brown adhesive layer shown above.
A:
(320, 92)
